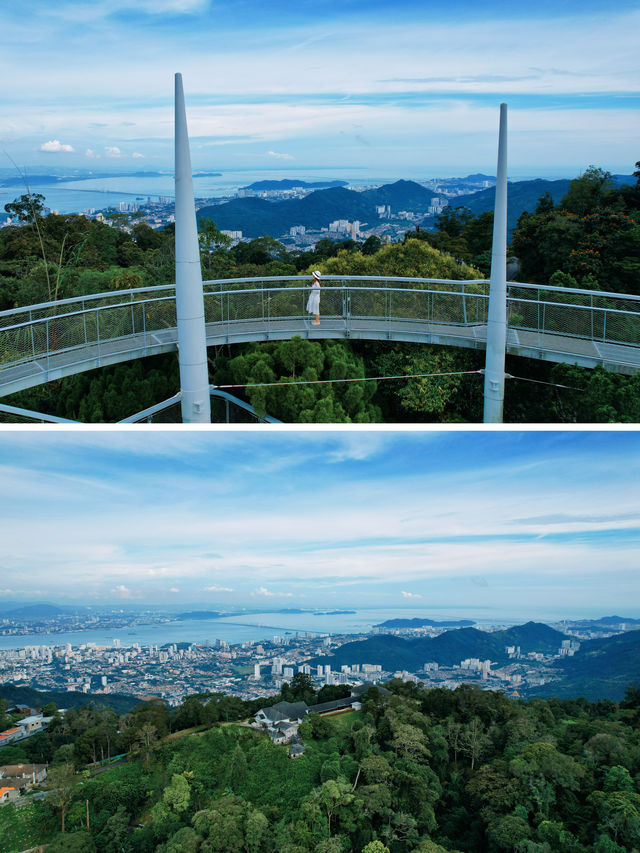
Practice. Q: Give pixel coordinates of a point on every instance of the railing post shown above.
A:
(497, 319)
(464, 306)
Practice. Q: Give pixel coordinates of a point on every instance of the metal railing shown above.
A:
(74, 334)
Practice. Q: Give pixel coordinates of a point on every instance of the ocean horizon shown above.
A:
(260, 627)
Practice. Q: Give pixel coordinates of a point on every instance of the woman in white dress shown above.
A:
(313, 303)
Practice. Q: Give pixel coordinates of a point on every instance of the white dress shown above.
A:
(313, 303)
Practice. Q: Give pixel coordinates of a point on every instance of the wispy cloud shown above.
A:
(267, 593)
(372, 56)
(279, 156)
(288, 515)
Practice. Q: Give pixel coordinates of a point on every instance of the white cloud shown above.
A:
(280, 156)
(56, 145)
(263, 591)
(215, 588)
(122, 591)
(113, 151)
(410, 594)
(136, 155)
(174, 589)
(91, 154)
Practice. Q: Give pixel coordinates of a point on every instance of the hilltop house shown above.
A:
(291, 712)
(10, 735)
(35, 723)
(281, 721)
(21, 776)
(24, 728)
(8, 794)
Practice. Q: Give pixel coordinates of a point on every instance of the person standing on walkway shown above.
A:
(313, 302)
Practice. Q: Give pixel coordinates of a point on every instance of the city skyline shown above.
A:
(273, 86)
(329, 518)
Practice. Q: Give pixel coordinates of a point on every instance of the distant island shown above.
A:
(421, 623)
(613, 620)
(333, 612)
(288, 184)
(41, 180)
(201, 614)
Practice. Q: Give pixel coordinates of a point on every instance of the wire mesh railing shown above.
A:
(135, 320)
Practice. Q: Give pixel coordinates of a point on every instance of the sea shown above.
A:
(259, 627)
(88, 194)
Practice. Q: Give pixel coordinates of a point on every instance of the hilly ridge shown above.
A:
(601, 669)
(449, 648)
(257, 217)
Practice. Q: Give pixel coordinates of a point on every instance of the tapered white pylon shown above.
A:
(497, 317)
(192, 344)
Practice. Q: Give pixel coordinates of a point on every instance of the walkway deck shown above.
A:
(47, 342)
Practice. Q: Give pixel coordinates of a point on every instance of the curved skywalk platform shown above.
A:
(45, 342)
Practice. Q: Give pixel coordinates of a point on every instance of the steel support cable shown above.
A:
(355, 379)
(542, 382)
(384, 378)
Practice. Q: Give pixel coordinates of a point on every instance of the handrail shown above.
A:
(53, 339)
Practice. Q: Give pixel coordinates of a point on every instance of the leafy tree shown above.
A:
(334, 796)
(545, 203)
(375, 847)
(371, 245)
(115, 837)
(588, 191)
(73, 842)
(238, 768)
(453, 221)
(186, 840)
(189, 714)
(473, 740)
(177, 794)
(146, 741)
(27, 207)
(508, 832)
(61, 782)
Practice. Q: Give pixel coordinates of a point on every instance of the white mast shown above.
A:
(497, 317)
(192, 345)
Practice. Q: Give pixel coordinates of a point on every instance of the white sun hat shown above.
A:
(317, 274)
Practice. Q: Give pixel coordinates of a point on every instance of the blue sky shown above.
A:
(457, 520)
(408, 89)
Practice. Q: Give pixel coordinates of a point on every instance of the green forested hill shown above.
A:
(601, 669)
(255, 216)
(402, 195)
(415, 771)
(447, 649)
(522, 195)
(39, 698)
